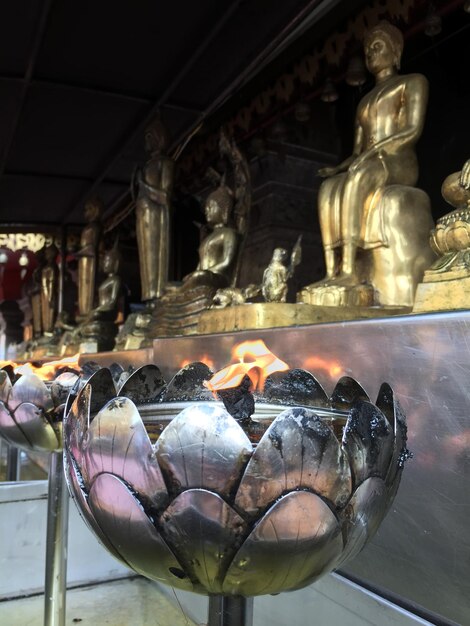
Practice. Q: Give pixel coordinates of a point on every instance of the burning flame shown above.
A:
(255, 361)
(204, 359)
(47, 371)
(333, 368)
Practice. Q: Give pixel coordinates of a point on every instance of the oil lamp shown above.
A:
(32, 400)
(254, 491)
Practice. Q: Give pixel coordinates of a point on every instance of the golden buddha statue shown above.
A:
(226, 210)
(49, 289)
(155, 182)
(88, 256)
(35, 293)
(218, 249)
(446, 284)
(369, 202)
(98, 329)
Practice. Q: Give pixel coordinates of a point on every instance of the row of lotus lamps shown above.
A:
(256, 493)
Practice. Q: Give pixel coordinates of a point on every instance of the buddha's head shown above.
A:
(218, 205)
(156, 137)
(110, 260)
(50, 253)
(280, 255)
(383, 47)
(94, 208)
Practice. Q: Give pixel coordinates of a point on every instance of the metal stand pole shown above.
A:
(13, 464)
(56, 544)
(230, 611)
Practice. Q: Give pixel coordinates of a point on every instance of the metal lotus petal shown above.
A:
(368, 439)
(362, 516)
(346, 393)
(117, 443)
(204, 532)
(296, 542)
(75, 425)
(5, 386)
(30, 388)
(204, 447)
(188, 384)
(143, 385)
(9, 429)
(120, 517)
(36, 429)
(295, 387)
(103, 390)
(79, 495)
(391, 408)
(298, 451)
(62, 386)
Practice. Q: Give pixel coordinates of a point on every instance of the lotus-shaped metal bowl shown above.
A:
(31, 410)
(203, 508)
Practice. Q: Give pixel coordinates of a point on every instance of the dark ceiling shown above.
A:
(80, 80)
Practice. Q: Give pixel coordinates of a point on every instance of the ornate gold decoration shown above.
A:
(446, 284)
(369, 203)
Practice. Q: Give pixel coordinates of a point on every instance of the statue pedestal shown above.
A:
(279, 314)
(330, 295)
(445, 290)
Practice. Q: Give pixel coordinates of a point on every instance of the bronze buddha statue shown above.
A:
(155, 183)
(49, 289)
(88, 256)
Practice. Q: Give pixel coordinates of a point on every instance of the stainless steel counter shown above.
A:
(422, 551)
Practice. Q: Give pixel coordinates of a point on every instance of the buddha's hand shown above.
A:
(464, 180)
(326, 172)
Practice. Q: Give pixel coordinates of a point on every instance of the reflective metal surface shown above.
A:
(206, 508)
(426, 358)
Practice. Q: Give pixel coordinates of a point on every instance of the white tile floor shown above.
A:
(129, 602)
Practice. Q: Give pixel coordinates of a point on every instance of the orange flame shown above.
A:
(47, 371)
(255, 360)
(204, 359)
(333, 368)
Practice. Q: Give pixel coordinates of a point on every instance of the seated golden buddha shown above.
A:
(369, 202)
(226, 210)
(217, 251)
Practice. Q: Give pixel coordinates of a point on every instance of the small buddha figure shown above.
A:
(155, 183)
(377, 180)
(49, 289)
(278, 272)
(88, 256)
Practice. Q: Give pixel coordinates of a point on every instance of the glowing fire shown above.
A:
(47, 371)
(204, 359)
(255, 361)
(333, 368)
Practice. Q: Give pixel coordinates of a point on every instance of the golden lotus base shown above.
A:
(442, 293)
(331, 295)
(275, 315)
